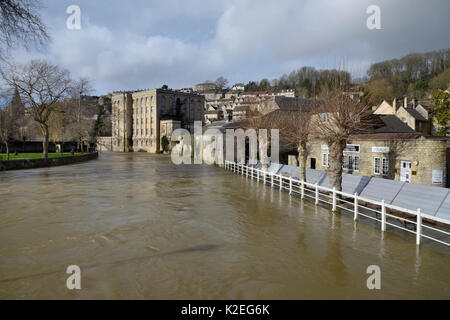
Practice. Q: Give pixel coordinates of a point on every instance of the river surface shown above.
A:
(142, 228)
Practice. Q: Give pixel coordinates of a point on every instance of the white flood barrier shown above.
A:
(392, 203)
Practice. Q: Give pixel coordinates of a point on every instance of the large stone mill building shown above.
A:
(141, 119)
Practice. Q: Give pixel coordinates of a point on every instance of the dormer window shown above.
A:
(325, 117)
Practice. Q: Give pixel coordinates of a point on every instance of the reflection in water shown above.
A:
(140, 227)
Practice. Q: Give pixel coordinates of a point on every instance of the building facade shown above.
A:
(141, 118)
(396, 156)
(415, 115)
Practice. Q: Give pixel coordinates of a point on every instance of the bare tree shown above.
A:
(79, 109)
(6, 129)
(41, 85)
(260, 122)
(12, 117)
(221, 83)
(335, 121)
(21, 24)
(296, 129)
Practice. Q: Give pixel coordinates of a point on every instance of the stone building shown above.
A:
(141, 118)
(415, 115)
(391, 152)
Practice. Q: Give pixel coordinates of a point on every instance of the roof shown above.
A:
(416, 114)
(223, 125)
(393, 125)
(254, 93)
(308, 104)
(241, 108)
(386, 136)
(286, 103)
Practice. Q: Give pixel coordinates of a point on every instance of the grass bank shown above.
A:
(21, 156)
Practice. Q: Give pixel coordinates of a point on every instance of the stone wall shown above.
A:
(41, 163)
(427, 158)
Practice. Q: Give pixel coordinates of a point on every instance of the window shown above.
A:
(381, 166)
(385, 163)
(346, 162)
(377, 165)
(351, 163)
(325, 160)
(356, 164)
(325, 117)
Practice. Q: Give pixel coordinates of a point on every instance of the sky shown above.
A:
(138, 44)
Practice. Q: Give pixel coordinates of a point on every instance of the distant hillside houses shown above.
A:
(233, 104)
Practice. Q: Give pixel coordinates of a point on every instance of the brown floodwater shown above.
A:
(142, 228)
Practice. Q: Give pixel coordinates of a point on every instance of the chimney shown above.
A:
(406, 102)
(394, 105)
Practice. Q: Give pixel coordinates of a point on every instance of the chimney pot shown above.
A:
(406, 102)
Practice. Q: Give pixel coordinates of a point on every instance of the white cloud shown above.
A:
(148, 43)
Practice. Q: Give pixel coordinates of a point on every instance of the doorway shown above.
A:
(405, 171)
(313, 163)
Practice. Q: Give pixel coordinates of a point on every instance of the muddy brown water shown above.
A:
(142, 228)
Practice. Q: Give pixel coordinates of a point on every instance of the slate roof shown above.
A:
(416, 114)
(392, 124)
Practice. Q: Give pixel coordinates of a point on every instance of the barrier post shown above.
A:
(383, 215)
(356, 207)
(317, 194)
(419, 227)
(290, 185)
(272, 180)
(334, 200)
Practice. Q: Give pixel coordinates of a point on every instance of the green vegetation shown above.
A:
(417, 75)
(441, 110)
(35, 155)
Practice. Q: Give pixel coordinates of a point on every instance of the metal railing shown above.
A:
(357, 205)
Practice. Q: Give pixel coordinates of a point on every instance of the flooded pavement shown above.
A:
(142, 228)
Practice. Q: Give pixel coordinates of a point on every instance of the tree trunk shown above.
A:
(45, 142)
(336, 163)
(302, 157)
(7, 149)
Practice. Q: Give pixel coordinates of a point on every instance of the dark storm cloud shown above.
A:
(138, 44)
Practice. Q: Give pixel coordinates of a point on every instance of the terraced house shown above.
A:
(392, 151)
(141, 118)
